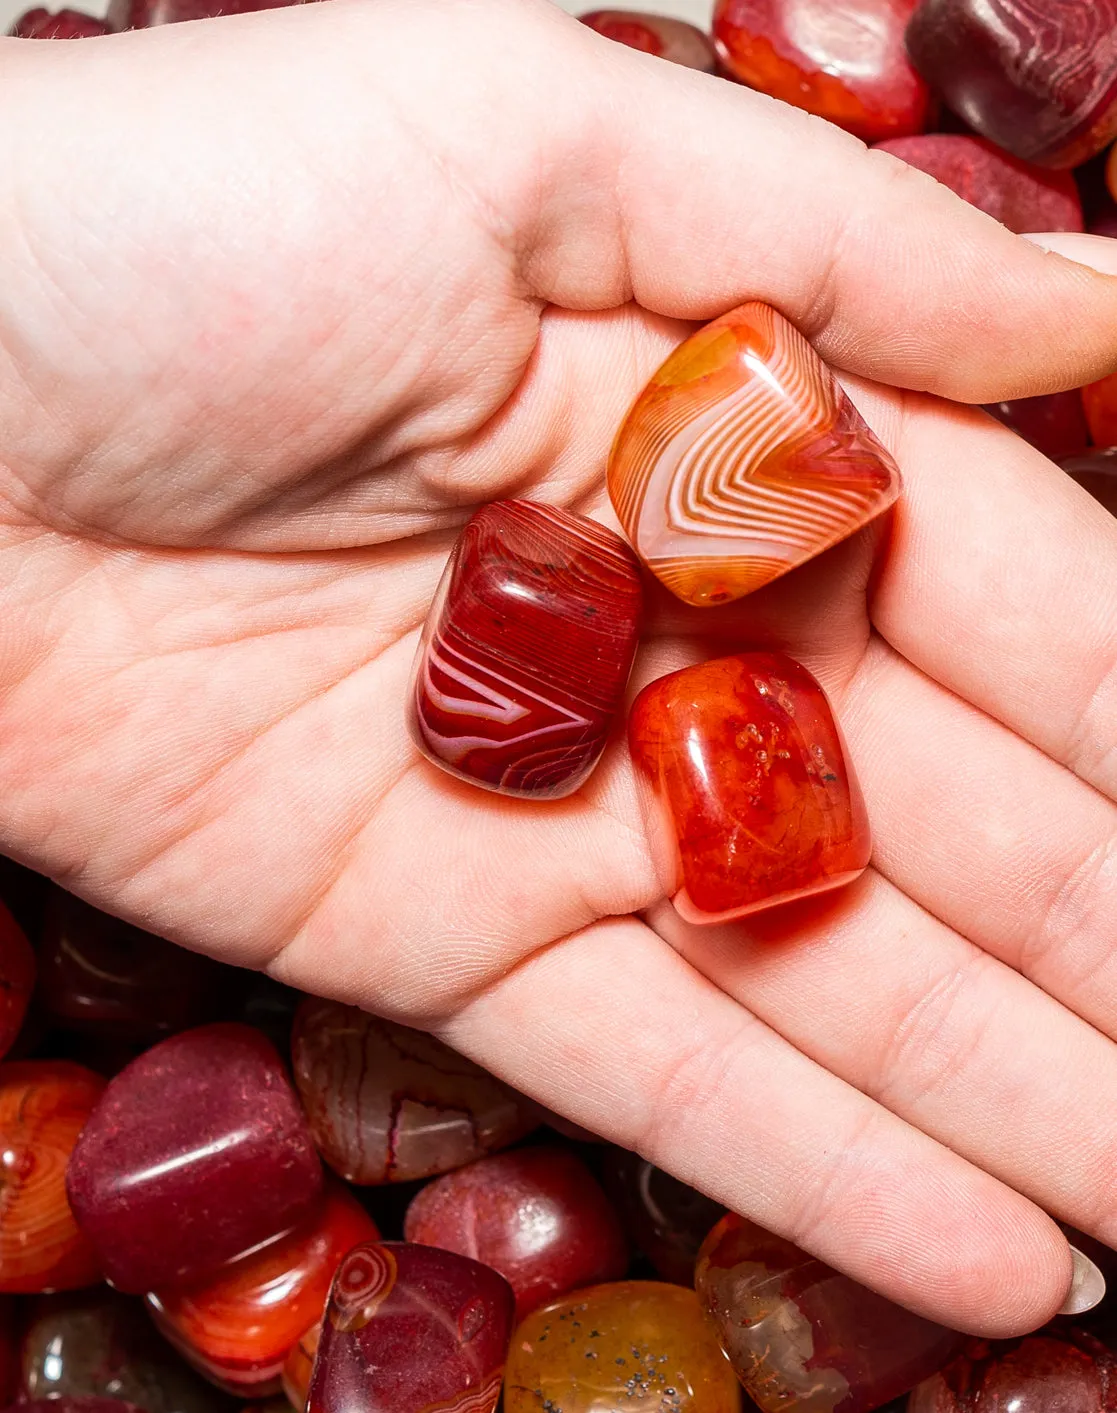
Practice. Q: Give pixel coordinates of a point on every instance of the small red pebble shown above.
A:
(65, 24)
(1019, 195)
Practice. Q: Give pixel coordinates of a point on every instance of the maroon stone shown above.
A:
(1021, 196)
(538, 1216)
(799, 1334)
(197, 1152)
(410, 1329)
(1058, 1371)
(17, 978)
(665, 1219)
(142, 14)
(661, 35)
(1038, 77)
(63, 24)
(523, 664)
(1095, 470)
(1053, 423)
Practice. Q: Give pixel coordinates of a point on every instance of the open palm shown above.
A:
(282, 299)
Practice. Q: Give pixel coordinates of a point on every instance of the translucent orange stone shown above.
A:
(753, 799)
(743, 458)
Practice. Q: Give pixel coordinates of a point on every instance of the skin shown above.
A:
(283, 297)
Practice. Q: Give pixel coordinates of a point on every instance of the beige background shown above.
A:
(697, 11)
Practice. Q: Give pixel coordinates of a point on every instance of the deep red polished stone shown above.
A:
(1038, 77)
(799, 1334)
(142, 14)
(537, 1215)
(1053, 423)
(661, 35)
(197, 1152)
(1058, 1371)
(844, 62)
(62, 24)
(665, 1219)
(410, 1329)
(1021, 196)
(238, 1326)
(522, 667)
(1095, 470)
(17, 978)
(750, 791)
(391, 1104)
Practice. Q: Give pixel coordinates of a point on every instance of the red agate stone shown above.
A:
(665, 1219)
(299, 1365)
(61, 24)
(754, 800)
(198, 1152)
(239, 1326)
(1058, 1371)
(1053, 423)
(390, 1104)
(1100, 403)
(1095, 470)
(17, 978)
(743, 458)
(44, 1105)
(1038, 77)
(522, 667)
(844, 62)
(661, 35)
(538, 1216)
(800, 1335)
(1021, 196)
(410, 1329)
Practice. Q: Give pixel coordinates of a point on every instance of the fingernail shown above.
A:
(1097, 252)
(1087, 1287)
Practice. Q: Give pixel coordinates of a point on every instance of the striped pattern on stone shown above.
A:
(743, 458)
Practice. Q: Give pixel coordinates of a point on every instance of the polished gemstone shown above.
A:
(1058, 1371)
(536, 1215)
(389, 1104)
(1038, 77)
(636, 1346)
(1021, 196)
(238, 1326)
(43, 1107)
(662, 35)
(197, 1153)
(1095, 470)
(844, 62)
(801, 1336)
(17, 978)
(666, 1220)
(743, 458)
(521, 670)
(1100, 402)
(410, 1329)
(752, 798)
(59, 24)
(105, 977)
(299, 1365)
(1053, 423)
(99, 1344)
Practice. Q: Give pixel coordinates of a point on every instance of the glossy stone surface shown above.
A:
(43, 1107)
(661, 35)
(844, 61)
(801, 1336)
(666, 1220)
(299, 1365)
(60, 24)
(1058, 1371)
(99, 1344)
(537, 1215)
(1100, 403)
(410, 1329)
(17, 978)
(142, 14)
(1095, 471)
(743, 458)
(751, 795)
(1021, 196)
(521, 670)
(1054, 423)
(636, 1346)
(197, 1153)
(1038, 77)
(238, 1326)
(104, 977)
(390, 1104)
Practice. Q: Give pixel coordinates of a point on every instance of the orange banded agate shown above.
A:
(743, 458)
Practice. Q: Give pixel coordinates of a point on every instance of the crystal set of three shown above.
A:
(742, 459)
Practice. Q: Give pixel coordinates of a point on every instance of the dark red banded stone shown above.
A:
(522, 668)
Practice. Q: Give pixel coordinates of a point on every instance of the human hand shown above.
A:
(283, 298)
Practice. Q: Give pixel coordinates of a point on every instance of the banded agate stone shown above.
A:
(640, 1346)
(411, 1329)
(752, 798)
(845, 62)
(802, 1336)
(661, 35)
(521, 671)
(1037, 77)
(743, 458)
(1061, 1370)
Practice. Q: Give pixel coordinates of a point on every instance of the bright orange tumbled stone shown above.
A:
(754, 799)
(743, 458)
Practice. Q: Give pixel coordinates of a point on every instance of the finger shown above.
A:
(616, 1031)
